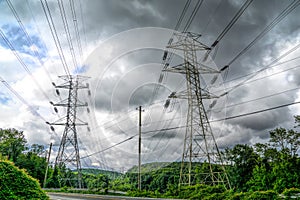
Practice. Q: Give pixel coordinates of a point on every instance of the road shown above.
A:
(74, 196)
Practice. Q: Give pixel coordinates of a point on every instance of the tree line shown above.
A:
(263, 170)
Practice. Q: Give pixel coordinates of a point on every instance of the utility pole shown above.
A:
(140, 148)
(200, 146)
(48, 159)
(68, 153)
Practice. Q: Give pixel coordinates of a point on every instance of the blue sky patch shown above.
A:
(4, 99)
(80, 69)
(20, 42)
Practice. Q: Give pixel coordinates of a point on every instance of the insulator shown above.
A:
(51, 102)
(55, 109)
(225, 67)
(172, 105)
(165, 55)
(86, 104)
(172, 95)
(213, 80)
(215, 43)
(166, 65)
(167, 103)
(213, 103)
(88, 110)
(88, 128)
(161, 77)
(48, 123)
(52, 128)
(89, 92)
(53, 84)
(170, 40)
(87, 85)
(57, 92)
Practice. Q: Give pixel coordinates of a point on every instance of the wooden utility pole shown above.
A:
(140, 148)
(48, 160)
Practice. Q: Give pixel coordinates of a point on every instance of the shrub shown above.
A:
(17, 184)
(266, 195)
(291, 192)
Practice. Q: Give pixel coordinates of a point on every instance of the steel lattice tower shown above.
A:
(199, 142)
(68, 153)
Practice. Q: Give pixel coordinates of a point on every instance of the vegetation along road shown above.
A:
(73, 196)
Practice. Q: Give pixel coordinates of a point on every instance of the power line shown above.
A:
(75, 22)
(230, 24)
(256, 99)
(54, 34)
(267, 29)
(211, 16)
(29, 40)
(228, 118)
(263, 69)
(33, 111)
(24, 65)
(179, 127)
(67, 31)
(192, 16)
(256, 112)
(83, 23)
(187, 4)
(254, 80)
(130, 138)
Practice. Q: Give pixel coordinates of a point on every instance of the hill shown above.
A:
(110, 174)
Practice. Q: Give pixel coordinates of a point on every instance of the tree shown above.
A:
(53, 181)
(33, 164)
(12, 143)
(98, 182)
(278, 166)
(287, 141)
(244, 160)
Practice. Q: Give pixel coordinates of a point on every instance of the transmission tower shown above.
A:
(200, 146)
(68, 153)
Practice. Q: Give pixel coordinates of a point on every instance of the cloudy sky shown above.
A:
(119, 44)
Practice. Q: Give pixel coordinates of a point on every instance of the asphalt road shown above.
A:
(74, 196)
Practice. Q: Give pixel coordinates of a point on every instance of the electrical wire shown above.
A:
(187, 4)
(230, 25)
(32, 110)
(192, 16)
(117, 144)
(255, 112)
(211, 16)
(24, 65)
(68, 34)
(77, 33)
(54, 34)
(83, 23)
(254, 80)
(267, 29)
(228, 118)
(263, 69)
(29, 40)
(256, 99)
(179, 127)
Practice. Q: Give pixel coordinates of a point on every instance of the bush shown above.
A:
(267, 195)
(291, 192)
(17, 184)
(238, 196)
(143, 193)
(208, 192)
